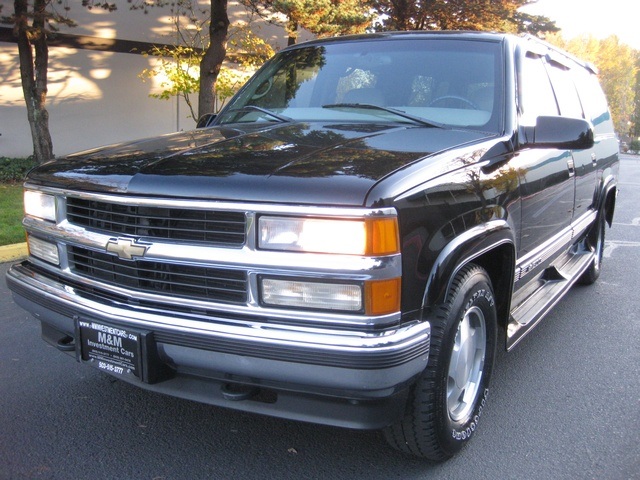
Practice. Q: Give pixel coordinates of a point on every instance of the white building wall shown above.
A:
(95, 97)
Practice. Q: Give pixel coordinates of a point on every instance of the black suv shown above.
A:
(344, 243)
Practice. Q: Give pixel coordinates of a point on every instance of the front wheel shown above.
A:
(448, 399)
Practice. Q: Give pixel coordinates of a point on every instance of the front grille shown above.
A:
(181, 224)
(188, 281)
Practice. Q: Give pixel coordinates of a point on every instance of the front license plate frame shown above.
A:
(115, 350)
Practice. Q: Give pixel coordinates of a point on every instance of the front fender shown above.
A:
(477, 243)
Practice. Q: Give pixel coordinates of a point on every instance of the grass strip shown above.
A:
(11, 212)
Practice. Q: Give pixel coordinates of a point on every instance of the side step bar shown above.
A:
(554, 284)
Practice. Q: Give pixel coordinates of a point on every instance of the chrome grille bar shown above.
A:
(189, 281)
(206, 226)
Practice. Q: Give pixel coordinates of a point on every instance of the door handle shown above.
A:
(571, 166)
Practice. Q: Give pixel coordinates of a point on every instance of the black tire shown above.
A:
(442, 415)
(595, 241)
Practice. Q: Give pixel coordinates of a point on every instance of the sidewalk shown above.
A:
(10, 253)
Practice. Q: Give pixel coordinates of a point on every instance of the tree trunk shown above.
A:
(292, 32)
(33, 74)
(213, 57)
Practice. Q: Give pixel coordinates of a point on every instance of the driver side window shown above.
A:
(537, 95)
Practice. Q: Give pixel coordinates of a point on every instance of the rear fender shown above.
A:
(607, 191)
(607, 204)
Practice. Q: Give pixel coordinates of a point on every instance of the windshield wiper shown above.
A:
(395, 111)
(255, 108)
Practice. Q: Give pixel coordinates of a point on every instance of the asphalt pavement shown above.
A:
(565, 404)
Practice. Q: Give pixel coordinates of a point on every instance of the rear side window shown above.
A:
(593, 101)
(565, 90)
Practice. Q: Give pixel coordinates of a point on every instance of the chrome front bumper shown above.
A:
(363, 371)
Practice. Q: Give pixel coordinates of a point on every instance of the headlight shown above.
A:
(366, 236)
(40, 205)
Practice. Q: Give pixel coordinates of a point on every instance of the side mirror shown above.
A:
(206, 120)
(559, 132)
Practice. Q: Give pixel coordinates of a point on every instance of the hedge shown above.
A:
(15, 169)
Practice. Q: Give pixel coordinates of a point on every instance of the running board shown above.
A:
(554, 284)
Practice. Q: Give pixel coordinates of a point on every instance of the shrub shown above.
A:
(634, 146)
(15, 169)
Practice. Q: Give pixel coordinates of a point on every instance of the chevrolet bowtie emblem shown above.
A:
(126, 248)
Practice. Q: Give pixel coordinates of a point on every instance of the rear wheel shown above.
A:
(448, 400)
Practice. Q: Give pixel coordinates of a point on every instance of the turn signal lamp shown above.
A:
(382, 296)
(43, 250)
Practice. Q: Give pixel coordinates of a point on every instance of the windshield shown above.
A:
(435, 82)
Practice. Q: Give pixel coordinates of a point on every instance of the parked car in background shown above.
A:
(347, 242)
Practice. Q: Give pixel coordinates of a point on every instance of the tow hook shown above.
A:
(66, 344)
(236, 392)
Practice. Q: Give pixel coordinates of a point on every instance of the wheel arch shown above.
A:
(490, 246)
(609, 202)
(606, 199)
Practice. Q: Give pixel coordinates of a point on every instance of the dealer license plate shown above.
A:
(113, 349)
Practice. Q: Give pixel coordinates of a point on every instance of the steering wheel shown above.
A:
(263, 89)
(463, 100)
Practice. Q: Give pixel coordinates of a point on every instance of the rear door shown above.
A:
(605, 151)
(584, 161)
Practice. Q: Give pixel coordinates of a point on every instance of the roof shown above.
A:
(420, 34)
(527, 40)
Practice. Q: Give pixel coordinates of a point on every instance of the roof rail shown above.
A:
(559, 51)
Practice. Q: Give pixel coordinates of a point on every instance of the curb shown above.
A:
(9, 253)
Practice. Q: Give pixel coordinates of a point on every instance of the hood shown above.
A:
(285, 163)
